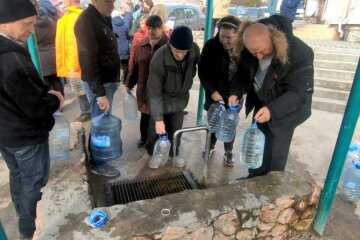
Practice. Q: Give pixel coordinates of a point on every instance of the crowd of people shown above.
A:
(261, 60)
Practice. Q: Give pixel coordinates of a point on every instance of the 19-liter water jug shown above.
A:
(76, 83)
(130, 106)
(352, 155)
(161, 152)
(213, 115)
(351, 187)
(59, 138)
(105, 142)
(252, 147)
(229, 119)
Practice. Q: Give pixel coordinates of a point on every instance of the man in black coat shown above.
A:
(276, 71)
(26, 109)
(218, 64)
(100, 65)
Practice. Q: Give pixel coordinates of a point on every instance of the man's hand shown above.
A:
(59, 96)
(216, 96)
(263, 115)
(160, 127)
(233, 100)
(103, 103)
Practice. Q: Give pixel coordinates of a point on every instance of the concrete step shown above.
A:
(333, 84)
(334, 74)
(337, 57)
(329, 105)
(331, 93)
(333, 50)
(315, 36)
(318, 26)
(335, 65)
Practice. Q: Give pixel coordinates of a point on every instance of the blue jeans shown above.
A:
(29, 168)
(110, 89)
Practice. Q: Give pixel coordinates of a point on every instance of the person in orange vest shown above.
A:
(67, 60)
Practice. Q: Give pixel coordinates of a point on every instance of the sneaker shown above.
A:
(211, 152)
(105, 170)
(140, 144)
(83, 118)
(229, 159)
(179, 161)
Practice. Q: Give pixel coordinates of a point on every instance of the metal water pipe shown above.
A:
(346, 132)
(34, 53)
(207, 36)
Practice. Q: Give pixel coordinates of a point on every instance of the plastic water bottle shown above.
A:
(59, 138)
(76, 83)
(229, 119)
(352, 155)
(130, 106)
(351, 187)
(105, 141)
(252, 147)
(161, 152)
(213, 115)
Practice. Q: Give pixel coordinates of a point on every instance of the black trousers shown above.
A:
(275, 153)
(144, 126)
(124, 66)
(173, 122)
(228, 146)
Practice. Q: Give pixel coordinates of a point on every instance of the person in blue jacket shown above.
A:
(121, 28)
(288, 8)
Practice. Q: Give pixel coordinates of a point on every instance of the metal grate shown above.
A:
(123, 192)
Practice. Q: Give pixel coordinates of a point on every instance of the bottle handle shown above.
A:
(235, 108)
(164, 137)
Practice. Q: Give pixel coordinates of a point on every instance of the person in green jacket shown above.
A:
(172, 70)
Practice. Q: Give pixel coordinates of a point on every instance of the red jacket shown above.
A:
(139, 70)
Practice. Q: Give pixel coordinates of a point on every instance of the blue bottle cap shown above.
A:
(163, 137)
(254, 125)
(235, 108)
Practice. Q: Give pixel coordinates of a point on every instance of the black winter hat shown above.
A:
(181, 38)
(13, 10)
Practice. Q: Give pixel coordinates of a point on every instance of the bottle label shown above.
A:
(100, 141)
(350, 185)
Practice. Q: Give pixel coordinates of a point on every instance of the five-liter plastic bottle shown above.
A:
(350, 190)
(161, 152)
(105, 141)
(229, 119)
(130, 106)
(213, 115)
(252, 145)
(59, 138)
(76, 83)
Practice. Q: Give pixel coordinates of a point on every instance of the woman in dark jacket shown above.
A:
(121, 28)
(217, 66)
(139, 70)
(45, 30)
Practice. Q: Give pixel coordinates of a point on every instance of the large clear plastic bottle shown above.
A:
(213, 115)
(76, 83)
(105, 141)
(351, 187)
(252, 145)
(161, 152)
(229, 119)
(59, 138)
(130, 106)
(352, 155)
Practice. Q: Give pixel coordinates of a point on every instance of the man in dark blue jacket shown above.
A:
(276, 71)
(26, 109)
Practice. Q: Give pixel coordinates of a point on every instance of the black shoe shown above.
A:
(211, 152)
(185, 113)
(141, 144)
(229, 159)
(83, 118)
(105, 170)
(24, 237)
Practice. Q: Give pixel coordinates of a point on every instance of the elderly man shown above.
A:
(172, 70)
(99, 63)
(276, 71)
(26, 109)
